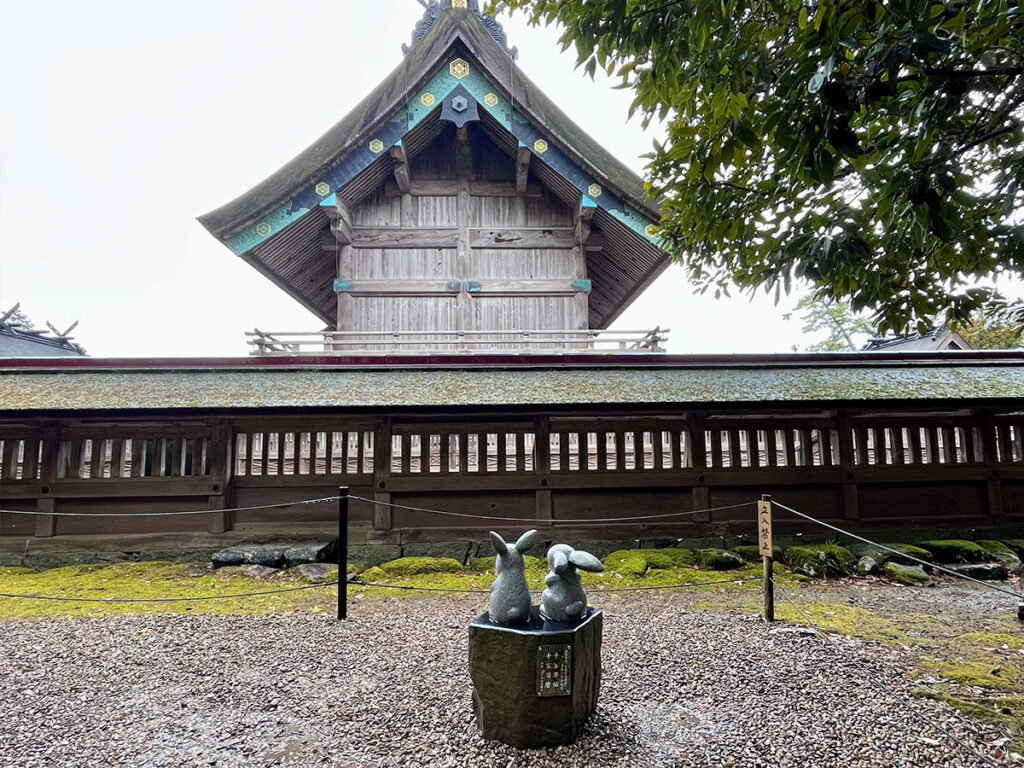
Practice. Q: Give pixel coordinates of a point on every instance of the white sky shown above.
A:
(121, 121)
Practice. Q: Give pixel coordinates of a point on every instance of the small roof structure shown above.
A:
(276, 226)
(935, 340)
(19, 339)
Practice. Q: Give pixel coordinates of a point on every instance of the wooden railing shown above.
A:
(290, 343)
(544, 467)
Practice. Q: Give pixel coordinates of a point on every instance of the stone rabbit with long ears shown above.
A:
(564, 598)
(510, 594)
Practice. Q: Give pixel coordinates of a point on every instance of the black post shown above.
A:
(342, 552)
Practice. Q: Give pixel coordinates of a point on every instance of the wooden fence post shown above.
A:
(343, 552)
(764, 536)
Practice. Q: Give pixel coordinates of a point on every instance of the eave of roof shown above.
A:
(506, 381)
(342, 161)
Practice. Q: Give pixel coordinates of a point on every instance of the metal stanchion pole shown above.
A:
(343, 552)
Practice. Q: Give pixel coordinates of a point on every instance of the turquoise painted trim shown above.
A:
(583, 285)
(340, 286)
(586, 202)
(454, 285)
(331, 201)
(473, 286)
(391, 133)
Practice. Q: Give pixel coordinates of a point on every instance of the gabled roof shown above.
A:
(276, 225)
(937, 339)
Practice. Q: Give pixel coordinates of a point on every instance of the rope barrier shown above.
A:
(997, 588)
(873, 679)
(571, 520)
(537, 592)
(280, 505)
(168, 599)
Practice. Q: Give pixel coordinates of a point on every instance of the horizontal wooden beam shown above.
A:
(402, 287)
(398, 237)
(449, 188)
(551, 237)
(528, 288)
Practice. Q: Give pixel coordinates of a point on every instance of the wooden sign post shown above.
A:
(764, 541)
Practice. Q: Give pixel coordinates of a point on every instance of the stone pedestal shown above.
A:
(535, 685)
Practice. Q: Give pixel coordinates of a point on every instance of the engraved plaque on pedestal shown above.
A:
(554, 670)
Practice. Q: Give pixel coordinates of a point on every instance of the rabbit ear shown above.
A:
(526, 541)
(586, 561)
(559, 562)
(499, 544)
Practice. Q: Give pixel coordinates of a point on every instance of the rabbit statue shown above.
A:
(510, 594)
(564, 598)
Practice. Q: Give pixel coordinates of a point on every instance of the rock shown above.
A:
(955, 551)
(374, 554)
(315, 573)
(514, 700)
(268, 557)
(456, 550)
(313, 552)
(719, 559)
(911, 575)
(907, 551)
(534, 565)
(1017, 545)
(983, 571)
(227, 557)
(413, 566)
(258, 571)
(637, 562)
(1002, 554)
(866, 565)
(820, 560)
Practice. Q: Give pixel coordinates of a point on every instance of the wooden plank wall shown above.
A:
(865, 469)
(462, 249)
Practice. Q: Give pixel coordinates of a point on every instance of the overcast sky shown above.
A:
(121, 121)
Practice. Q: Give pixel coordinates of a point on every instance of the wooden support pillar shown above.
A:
(850, 493)
(222, 487)
(464, 172)
(46, 523)
(523, 156)
(701, 494)
(993, 485)
(382, 474)
(542, 467)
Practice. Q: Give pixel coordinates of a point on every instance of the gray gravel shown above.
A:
(390, 688)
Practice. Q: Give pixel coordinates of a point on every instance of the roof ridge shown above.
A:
(433, 13)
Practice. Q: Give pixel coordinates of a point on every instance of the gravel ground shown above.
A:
(390, 687)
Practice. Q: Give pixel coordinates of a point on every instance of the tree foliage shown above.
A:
(837, 320)
(987, 332)
(872, 148)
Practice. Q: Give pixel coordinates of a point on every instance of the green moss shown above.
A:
(752, 553)
(414, 566)
(845, 619)
(955, 551)
(719, 559)
(1004, 711)
(910, 575)
(983, 640)
(150, 580)
(907, 549)
(820, 559)
(14, 571)
(637, 562)
(534, 565)
(970, 673)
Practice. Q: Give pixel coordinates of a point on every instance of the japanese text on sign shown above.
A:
(554, 670)
(764, 527)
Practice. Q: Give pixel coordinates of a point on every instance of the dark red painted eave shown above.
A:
(491, 361)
